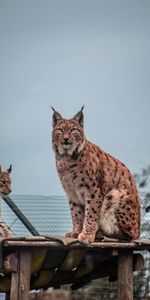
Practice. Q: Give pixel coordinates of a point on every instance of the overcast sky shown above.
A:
(66, 54)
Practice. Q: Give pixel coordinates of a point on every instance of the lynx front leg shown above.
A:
(77, 214)
(91, 221)
(4, 230)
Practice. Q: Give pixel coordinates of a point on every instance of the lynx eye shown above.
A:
(74, 130)
(59, 130)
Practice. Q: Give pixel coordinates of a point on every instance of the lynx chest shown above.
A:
(70, 176)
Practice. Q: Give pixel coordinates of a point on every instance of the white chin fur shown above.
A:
(66, 149)
(69, 149)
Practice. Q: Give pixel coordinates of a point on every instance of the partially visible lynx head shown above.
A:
(5, 182)
(68, 135)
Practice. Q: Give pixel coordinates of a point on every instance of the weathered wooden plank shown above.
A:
(136, 245)
(53, 295)
(55, 244)
(11, 264)
(14, 291)
(125, 275)
(31, 244)
(24, 274)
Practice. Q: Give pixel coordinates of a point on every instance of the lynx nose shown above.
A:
(66, 139)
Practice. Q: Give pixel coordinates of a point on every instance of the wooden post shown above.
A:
(14, 291)
(11, 264)
(24, 274)
(20, 280)
(125, 275)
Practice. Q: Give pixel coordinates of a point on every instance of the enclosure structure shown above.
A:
(41, 262)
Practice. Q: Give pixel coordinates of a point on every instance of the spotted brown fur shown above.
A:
(101, 190)
(5, 189)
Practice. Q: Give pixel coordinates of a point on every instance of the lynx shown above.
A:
(102, 193)
(5, 189)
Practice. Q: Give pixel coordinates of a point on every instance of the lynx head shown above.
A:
(5, 182)
(68, 135)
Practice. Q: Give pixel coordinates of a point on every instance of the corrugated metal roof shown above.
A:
(49, 215)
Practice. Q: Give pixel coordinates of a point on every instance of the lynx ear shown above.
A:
(10, 169)
(0, 169)
(56, 117)
(79, 117)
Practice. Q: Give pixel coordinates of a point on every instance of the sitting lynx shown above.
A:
(5, 189)
(101, 191)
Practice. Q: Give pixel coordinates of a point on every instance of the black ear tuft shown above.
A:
(56, 117)
(10, 169)
(82, 107)
(0, 169)
(53, 108)
(79, 117)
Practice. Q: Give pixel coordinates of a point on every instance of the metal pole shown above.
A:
(20, 215)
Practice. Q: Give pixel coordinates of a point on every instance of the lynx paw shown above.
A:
(86, 238)
(72, 234)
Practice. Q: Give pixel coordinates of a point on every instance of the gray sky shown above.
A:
(66, 54)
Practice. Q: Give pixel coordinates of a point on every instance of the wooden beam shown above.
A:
(133, 245)
(125, 275)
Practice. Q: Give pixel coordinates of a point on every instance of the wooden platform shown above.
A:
(33, 263)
